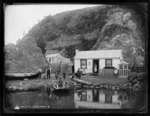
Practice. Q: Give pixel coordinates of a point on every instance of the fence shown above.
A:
(107, 73)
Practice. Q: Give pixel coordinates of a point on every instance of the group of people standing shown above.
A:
(48, 72)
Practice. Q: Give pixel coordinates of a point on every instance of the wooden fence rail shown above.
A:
(107, 73)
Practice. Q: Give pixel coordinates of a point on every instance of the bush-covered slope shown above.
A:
(102, 27)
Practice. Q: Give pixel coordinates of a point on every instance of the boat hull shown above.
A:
(22, 77)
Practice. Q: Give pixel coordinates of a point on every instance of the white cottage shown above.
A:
(95, 61)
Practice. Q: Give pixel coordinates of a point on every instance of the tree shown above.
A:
(136, 58)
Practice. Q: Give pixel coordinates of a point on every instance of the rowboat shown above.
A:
(21, 76)
(64, 86)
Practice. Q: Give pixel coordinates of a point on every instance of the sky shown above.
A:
(20, 18)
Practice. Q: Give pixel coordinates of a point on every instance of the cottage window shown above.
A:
(125, 66)
(49, 59)
(83, 63)
(108, 63)
(120, 66)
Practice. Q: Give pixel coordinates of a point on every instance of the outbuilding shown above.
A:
(57, 58)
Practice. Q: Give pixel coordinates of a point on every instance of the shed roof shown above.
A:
(52, 55)
(98, 54)
(123, 62)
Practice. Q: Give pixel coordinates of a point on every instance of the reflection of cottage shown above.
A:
(100, 62)
(99, 99)
(57, 58)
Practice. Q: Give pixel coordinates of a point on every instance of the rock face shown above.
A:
(103, 27)
(123, 30)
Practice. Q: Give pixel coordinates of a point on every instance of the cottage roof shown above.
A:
(52, 55)
(98, 54)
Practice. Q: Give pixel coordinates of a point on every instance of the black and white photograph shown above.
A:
(75, 58)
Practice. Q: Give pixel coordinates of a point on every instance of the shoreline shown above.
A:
(37, 83)
(32, 84)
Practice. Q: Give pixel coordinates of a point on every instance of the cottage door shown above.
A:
(95, 66)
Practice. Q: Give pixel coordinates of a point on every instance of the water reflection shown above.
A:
(100, 99)
(42, 98)
(74, 99)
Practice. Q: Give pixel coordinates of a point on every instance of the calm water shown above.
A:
(75, 99)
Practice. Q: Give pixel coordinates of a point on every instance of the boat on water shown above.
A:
(60, 87)
(20, 76)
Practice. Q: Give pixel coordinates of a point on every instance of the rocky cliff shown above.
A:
(103, 27)
(124, 29)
